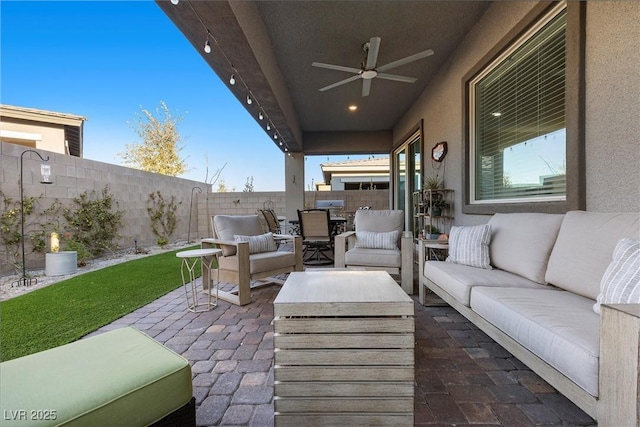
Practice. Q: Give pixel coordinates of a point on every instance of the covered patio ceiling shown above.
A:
(269, 47)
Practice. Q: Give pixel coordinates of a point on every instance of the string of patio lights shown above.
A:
(236, 78)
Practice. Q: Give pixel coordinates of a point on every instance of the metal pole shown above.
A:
(190, 207)
(23, 280)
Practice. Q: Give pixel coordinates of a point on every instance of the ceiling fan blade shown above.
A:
(372, 56)
(396, 78)
(366, 87)
(406, 60)
(340, 83)
(336, 67)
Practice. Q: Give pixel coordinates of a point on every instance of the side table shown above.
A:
(432, 250)
(436, 249)
(189, 262)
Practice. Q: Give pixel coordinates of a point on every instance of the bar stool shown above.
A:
(189, 262)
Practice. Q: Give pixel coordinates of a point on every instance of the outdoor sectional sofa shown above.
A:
(537, 300)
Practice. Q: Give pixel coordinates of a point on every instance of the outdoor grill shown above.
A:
(336, 207)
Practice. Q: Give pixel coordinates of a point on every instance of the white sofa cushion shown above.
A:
(225, 226)
(621, 282)
(458, 279)
(584, 249)
(522, 242)
(559, 327)
(470, 246)
(373, 257)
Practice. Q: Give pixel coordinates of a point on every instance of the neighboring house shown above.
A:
(355, 175)
(46, 130)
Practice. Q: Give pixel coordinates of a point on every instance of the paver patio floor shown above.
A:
(462, 376)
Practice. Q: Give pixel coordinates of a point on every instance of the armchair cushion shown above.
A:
(379, 220)
(225, 226)
(374, 257)
(377, 240)
(260, 262)
(257, 244)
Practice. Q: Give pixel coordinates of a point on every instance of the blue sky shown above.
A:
(106, 60)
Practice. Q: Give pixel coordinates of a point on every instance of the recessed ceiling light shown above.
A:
(353, 107)
(496, 114)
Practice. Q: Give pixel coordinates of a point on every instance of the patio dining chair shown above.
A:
(271, 219)
(315, 228)
(249, 254)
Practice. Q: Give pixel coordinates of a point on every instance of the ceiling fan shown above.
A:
(369, 67)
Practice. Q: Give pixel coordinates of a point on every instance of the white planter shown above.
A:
(61, 263)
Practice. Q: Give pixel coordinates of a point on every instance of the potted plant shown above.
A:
(433, 183)
(437, 206)
(431, 232)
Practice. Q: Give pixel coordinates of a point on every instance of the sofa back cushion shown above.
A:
(521, 243)
(226, 226)
(584, 249)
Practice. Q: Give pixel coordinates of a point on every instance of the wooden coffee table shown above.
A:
(344, 350)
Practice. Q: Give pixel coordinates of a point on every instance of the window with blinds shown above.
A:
(517, 112)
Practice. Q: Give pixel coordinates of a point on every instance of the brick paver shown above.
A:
(462, 376)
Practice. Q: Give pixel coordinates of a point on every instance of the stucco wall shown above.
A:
(612, 102)
(613, 106)
(72, 176)
(52, 135)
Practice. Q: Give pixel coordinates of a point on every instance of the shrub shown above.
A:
(163, 216)
(94, 222)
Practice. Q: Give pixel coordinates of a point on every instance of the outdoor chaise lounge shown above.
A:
(119, 378)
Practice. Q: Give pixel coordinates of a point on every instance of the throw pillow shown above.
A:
(260, 243)
(621, 281)
(470, 246)
(377, 240)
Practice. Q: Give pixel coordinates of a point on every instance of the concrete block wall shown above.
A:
(236, 203)
(72, 176)
(240, 203)
(130, 188)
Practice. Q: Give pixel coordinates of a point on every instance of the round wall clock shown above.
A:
(439, 151)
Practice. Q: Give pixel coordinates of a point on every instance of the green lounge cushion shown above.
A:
(119, 378)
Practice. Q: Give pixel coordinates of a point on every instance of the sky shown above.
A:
(105, 60)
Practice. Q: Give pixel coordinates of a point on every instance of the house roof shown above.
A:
(37, 115)
(373, 165)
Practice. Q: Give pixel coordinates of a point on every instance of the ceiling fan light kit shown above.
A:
(369, 70)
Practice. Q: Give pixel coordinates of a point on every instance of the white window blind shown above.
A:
(518, 110)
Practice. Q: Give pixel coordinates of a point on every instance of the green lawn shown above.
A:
(65, 311)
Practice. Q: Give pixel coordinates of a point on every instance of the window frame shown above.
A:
(574, 114)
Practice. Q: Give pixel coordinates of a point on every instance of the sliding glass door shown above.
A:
(407, 164)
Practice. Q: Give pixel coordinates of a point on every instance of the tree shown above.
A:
(222, 186)
(248, 186)
(161, 144)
